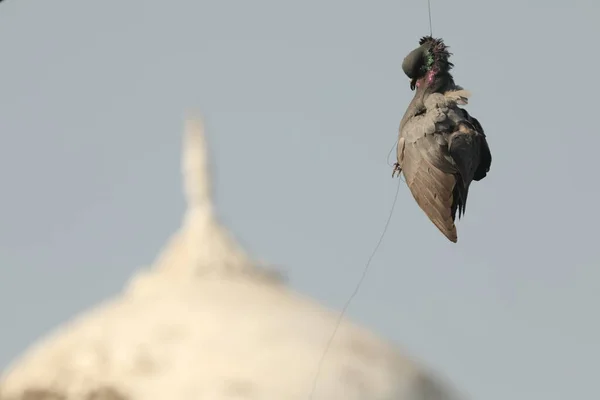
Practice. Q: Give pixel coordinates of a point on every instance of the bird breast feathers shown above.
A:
(440, 114)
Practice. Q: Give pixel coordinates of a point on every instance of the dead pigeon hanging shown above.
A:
(441, 148)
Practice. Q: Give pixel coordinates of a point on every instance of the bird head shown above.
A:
(430, 60)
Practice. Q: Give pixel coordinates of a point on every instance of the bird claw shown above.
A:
(397, 169)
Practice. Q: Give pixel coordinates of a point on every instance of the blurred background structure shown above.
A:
(206, 322)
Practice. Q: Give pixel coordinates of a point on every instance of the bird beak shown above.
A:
(413, 84)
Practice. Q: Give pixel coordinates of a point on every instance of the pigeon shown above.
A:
(441, 147)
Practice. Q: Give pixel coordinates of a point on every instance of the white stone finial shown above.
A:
(194, 167)
(202, 245)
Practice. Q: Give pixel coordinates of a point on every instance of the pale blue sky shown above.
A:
(302, 101)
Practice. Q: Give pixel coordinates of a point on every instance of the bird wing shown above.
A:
(428, 175)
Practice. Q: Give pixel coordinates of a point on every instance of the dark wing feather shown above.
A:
(485, 156)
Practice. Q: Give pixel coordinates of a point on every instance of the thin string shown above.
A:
(354, 293)
(390, 153)
(429, 10)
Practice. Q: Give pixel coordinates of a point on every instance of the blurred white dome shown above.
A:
(205, 322)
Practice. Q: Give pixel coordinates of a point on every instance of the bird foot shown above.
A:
(397, 169)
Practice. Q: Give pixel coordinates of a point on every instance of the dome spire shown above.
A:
(202, 245)
(194, 168)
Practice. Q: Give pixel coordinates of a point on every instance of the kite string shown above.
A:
(390, 153)
(355, 292)
(429, 11)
